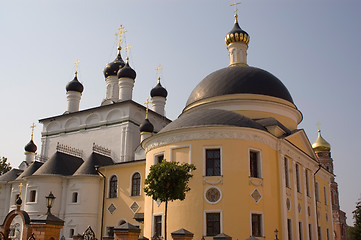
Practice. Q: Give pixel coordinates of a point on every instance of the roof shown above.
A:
(31, 169)
(95, 159)
(60, 164)
(10, 175)
(239, 80)
(211, 117)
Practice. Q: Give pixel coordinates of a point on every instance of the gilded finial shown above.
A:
(32, 130)
(20, 186)
(127, 49)
(147, 108)
(76, 63)
(235, 10)
(159, 70)
(120, 34)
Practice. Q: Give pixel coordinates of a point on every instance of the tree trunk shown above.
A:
(165, 220)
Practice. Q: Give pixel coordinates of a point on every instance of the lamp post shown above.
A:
(276, 234)
(49, 201)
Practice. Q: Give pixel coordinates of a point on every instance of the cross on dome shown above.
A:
(120, 34)
(235, 9)
(32, 130)
(76, 64)
(127, 49)
(159, 70)
(147, 108)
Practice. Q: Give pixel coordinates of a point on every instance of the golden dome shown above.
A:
(321, 145)
(237, 35)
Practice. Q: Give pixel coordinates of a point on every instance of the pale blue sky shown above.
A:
(312, 46)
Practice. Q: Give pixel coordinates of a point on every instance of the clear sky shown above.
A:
(312, 46)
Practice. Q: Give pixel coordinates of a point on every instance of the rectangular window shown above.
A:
(298, 181)
(300, 230)
(325, 194)
(257, 225)
(310, 231)
(213, 221)
(32, 196)
(74, 197)
(159, 158)
(110, 231)
(328, 234)
(71, 232)
(319, 232)
(213, 162)
(317, 192)
(157, 226)
(289, 228)
(307, 183)
(287, 176)
(255, 164)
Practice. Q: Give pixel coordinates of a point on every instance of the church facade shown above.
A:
(257, 173)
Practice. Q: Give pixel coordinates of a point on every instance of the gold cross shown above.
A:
(20, 186)
(76, 63)
(147, 108)
(127, 48)
(235, 9)
(159, 70)
(119, 34)
(32, 130)
(318, 125)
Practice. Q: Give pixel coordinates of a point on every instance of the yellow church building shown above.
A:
(257, 173)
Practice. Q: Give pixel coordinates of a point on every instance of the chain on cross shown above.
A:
(120, 34)
(32, 130)
(159, 70)
(127, 49)
(76, 63)
(147, 108)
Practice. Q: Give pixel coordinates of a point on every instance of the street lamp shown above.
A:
(50, 200)
(276, 234)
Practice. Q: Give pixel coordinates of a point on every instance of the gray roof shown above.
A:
(95, 159)
(31, 169)
(10, 175)
(60, 164)
(211, 117)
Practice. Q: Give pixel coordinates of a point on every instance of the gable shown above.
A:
(300, 140)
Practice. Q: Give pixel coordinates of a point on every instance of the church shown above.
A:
(257, 173)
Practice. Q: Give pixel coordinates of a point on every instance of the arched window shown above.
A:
(113, 186)
(136, 184)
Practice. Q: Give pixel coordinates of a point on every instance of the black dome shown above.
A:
(111, 69)
(146, 126)
(211, 117)
(239, 80)
(74, 85)
(237, 34)
(158, 91)
(31, 147)
(127, 72)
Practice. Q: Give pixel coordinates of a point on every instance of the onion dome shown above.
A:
(31, 147)
(159, 91)
(321, 145)
(18, 201)
(127, 72)
(146, 126)
(239, 80)
(237, 35)
(74, 85)
(111, 69)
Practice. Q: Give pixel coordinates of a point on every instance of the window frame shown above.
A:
(156, 157)
(261, 224)
(307, 179)
(300, 230)
(317, 192)
(205, 149)
(258, 160)
(138, 184)
(287, 172)
(205, 226)
(161, 215)
(111, 185)
(72, 197)
(289, 229)
(30, 198)
(298, 177)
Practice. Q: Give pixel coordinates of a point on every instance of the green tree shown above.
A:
(355, 231)
(4, 165)
(168, 181)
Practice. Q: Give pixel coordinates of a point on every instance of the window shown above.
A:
(287, 176)
(136, 184)
(319, 232)
(71, 232)
(32, 196)
(325, 194)
(213, 223)
(110, 231)
(213, 162)
(159, 158)
(317, 192)
(74, 197)
(157, 226)
(328, 234)
(307, 183)
(298, 182)
(310, 231)
(113, 185)
(300, 235)
(289, 228)
(257, 225)
(255, 164)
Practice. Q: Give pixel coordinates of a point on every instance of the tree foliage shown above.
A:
(4, 165)
(168, 181)
(355, 231)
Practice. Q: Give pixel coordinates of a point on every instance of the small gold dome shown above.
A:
(321, 145)
(237, 35)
